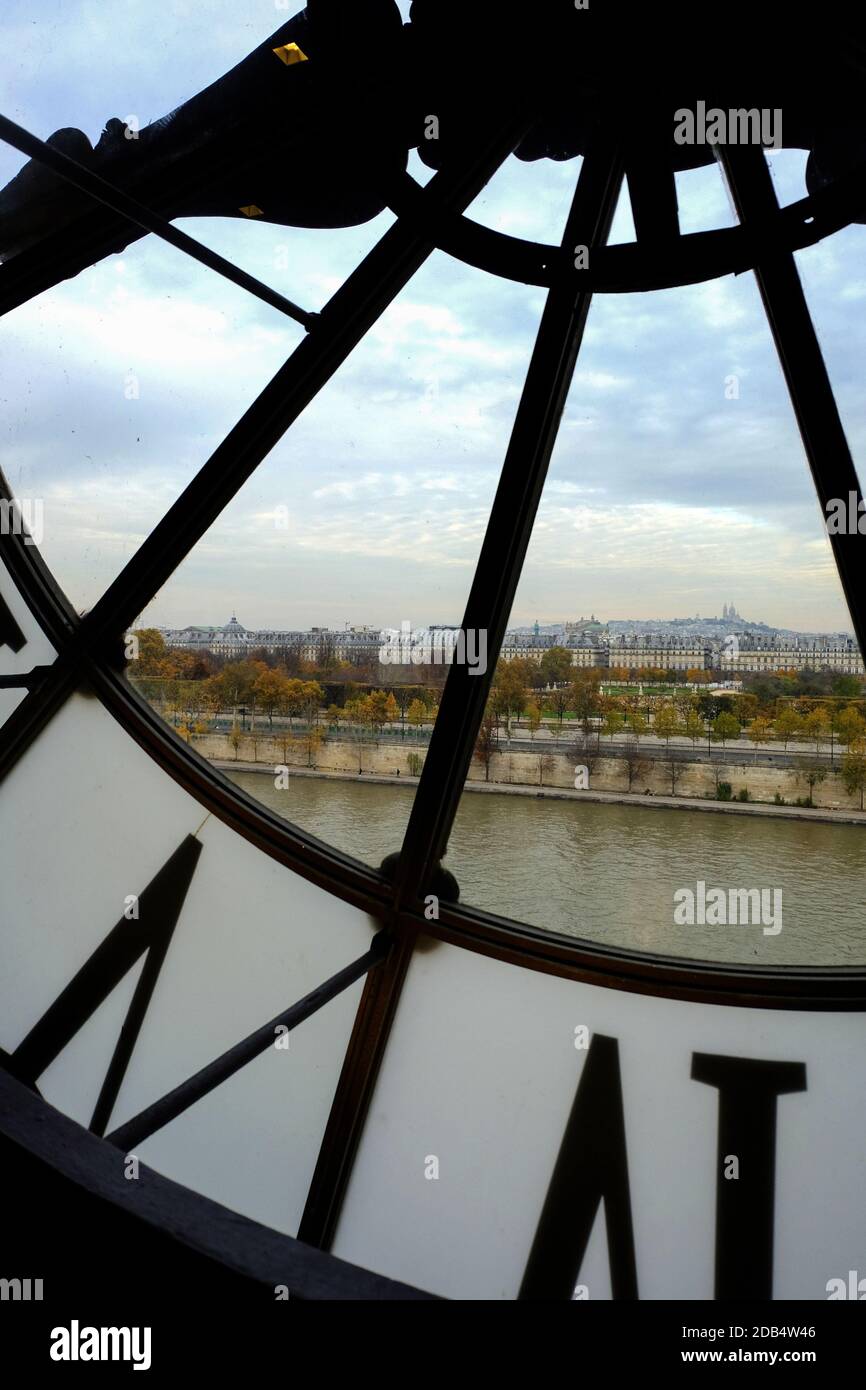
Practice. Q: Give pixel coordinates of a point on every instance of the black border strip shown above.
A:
(234, 1241)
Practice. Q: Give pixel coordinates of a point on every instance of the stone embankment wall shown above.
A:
(540, 769)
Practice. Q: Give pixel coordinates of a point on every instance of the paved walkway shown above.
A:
(676, 803)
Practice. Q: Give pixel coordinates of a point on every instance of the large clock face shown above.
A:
(539, 981)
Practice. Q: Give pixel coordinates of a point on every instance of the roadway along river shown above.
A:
(609, 872)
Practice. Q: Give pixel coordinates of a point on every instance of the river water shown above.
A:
(608, 872)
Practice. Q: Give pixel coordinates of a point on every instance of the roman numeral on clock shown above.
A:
(159, 907)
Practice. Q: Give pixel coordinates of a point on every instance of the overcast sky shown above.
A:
(664, 498)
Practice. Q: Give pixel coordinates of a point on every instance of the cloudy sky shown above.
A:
(664, 498)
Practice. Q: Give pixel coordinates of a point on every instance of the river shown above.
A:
(608, 873)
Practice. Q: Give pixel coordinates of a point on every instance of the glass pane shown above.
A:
(273, 650)
(703, 200)
(679, 639)
(525, 198)
(835, 286)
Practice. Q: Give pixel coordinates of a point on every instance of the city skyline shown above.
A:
(588, 644)
(559, 624)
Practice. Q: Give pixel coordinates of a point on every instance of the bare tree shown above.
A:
(717, 768)
(487, 742)
(854, 772)
(674, 769)
(812, 773)
(546, 765)
(586, 749)
(635, 765)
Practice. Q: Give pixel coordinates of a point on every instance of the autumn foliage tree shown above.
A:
(850, 725)
(854, 771)
(666, 723)
(269, 692)
(788, 723)
(726, 726)
(417, 714)
(555, 665)
(509, 690)
(556, 704)
(585, 697)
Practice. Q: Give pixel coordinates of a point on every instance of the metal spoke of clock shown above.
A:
(353, 1095)
(464, 698)
(131, 211)
(175, 1102)
(805, 372)
(652, 193)
(509, 528)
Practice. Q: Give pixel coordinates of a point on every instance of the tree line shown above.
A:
(814, 708)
